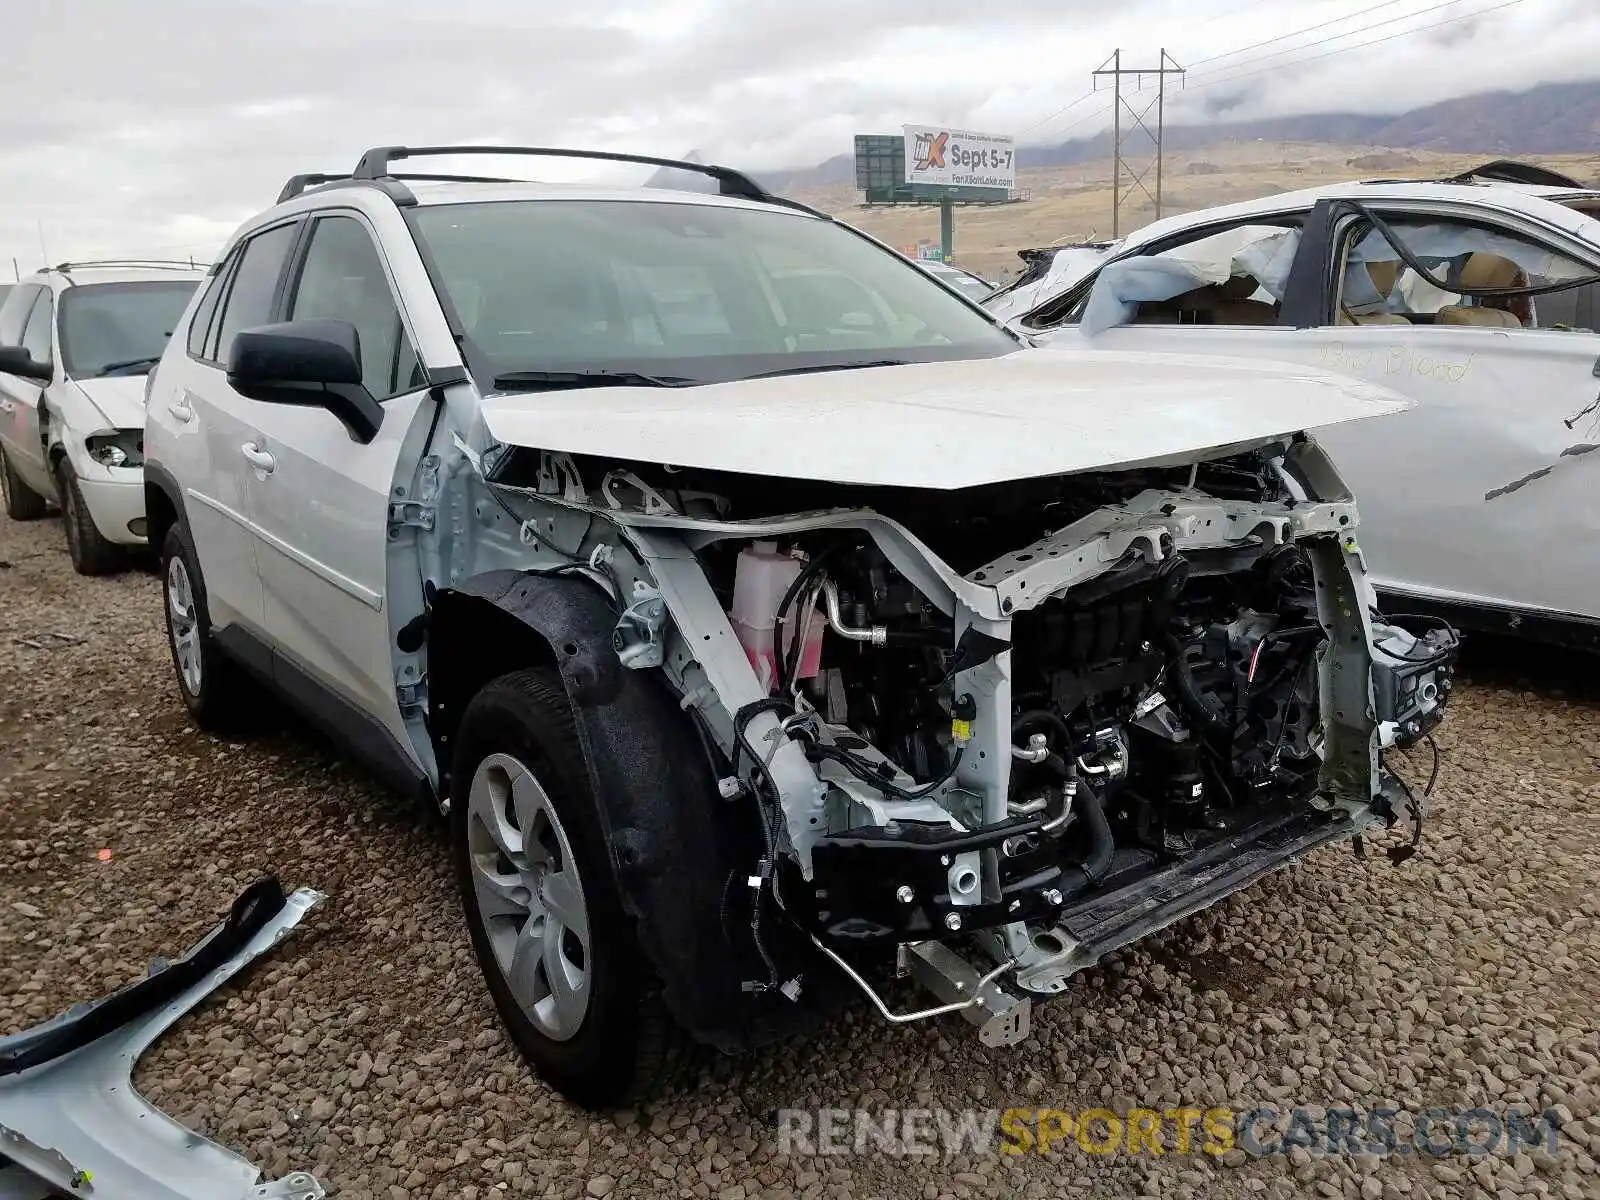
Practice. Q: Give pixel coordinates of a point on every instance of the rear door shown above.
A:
(26, 319)
(321, 510)
(1484, 492)
(217, 426)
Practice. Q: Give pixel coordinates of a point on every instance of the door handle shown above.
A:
(258, 458)
(181, 410)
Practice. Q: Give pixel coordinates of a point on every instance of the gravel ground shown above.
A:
(366, 1049)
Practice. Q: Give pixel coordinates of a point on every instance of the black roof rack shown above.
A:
(300, 184)
(1505, 170)
(375, 163)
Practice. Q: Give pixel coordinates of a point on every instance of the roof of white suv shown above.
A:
(733, 188)
(430, 193)
(65, 275)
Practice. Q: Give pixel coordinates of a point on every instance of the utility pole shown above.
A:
(1113, 68)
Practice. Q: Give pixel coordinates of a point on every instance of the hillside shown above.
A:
(1551, 119)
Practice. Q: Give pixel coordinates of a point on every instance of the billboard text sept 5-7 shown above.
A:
(959, 157)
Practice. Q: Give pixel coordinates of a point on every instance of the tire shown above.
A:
(216, 691)
(91, 553)
(22, 502)
(607, 1039)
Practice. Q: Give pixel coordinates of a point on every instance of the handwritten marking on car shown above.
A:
(1336, 356)
(1399, 360)
(1402, 361)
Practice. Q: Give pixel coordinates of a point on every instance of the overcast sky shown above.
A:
(153, 127)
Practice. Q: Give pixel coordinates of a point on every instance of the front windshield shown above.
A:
(119, 328)
(691, 293)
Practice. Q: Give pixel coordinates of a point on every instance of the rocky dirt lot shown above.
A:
(365, 1048)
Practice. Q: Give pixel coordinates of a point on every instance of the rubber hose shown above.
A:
(1079, 879)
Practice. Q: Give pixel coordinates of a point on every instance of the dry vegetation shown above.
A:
(1074, 203)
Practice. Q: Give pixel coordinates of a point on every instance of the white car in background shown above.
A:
(76, 343)
(1046, 271)
(1478, 296)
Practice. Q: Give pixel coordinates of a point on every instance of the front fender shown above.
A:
(680, 854)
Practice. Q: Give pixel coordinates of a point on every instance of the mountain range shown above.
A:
(1555, 118)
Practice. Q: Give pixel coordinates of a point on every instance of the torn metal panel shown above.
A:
(70, 1119)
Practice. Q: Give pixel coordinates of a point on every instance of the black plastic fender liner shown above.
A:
(77, 1027)
(680, 851)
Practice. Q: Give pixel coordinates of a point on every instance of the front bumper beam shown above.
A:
(70, 1120)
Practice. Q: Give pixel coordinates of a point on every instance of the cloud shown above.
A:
(154, 128)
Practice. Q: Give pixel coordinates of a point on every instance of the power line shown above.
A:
(1360, 12)
(1228, 54)
(1232, 12)
(1071, 104)
(1235, 71)
(1390, 37)
(1259, 58)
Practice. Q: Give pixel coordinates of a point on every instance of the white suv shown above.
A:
(76, 342)
(761, 612)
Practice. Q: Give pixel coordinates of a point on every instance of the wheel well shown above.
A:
(470, 642)
(160, 514)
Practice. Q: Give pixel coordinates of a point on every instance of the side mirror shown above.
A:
(15, 360)
(310, 363)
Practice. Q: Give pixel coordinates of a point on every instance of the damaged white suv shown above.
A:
(763, 614)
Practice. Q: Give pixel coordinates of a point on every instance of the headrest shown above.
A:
(1383, 275)
(1491, 271)
(1494, 318)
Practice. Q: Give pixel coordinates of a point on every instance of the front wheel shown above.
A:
(21, 501)
(560, 957)
(92, 553)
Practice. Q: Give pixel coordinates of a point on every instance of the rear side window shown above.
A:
(255, 285)
(200, 325)
(14, 313)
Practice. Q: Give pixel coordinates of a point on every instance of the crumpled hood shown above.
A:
(1043, 411)
(119, 399)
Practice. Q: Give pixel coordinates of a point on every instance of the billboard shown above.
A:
(937, 154)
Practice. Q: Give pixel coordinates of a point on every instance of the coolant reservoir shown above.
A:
(760, 579)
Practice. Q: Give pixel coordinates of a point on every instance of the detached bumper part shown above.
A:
(70, 1120)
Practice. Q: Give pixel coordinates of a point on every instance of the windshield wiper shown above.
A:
(844, 366)
(538, 381)
(129, 365)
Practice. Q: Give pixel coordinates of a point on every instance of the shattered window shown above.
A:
(1378, 287)
(1233, 277)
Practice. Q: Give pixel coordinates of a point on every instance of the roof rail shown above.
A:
(375, 164)
(300, 184)
(1506, 170)
(165, 264)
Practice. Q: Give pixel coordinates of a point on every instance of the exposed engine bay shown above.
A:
(1176, 682)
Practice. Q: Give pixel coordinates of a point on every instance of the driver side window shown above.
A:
(1465, 266)
(1231, 276)
(342, 279)
(36, 339)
